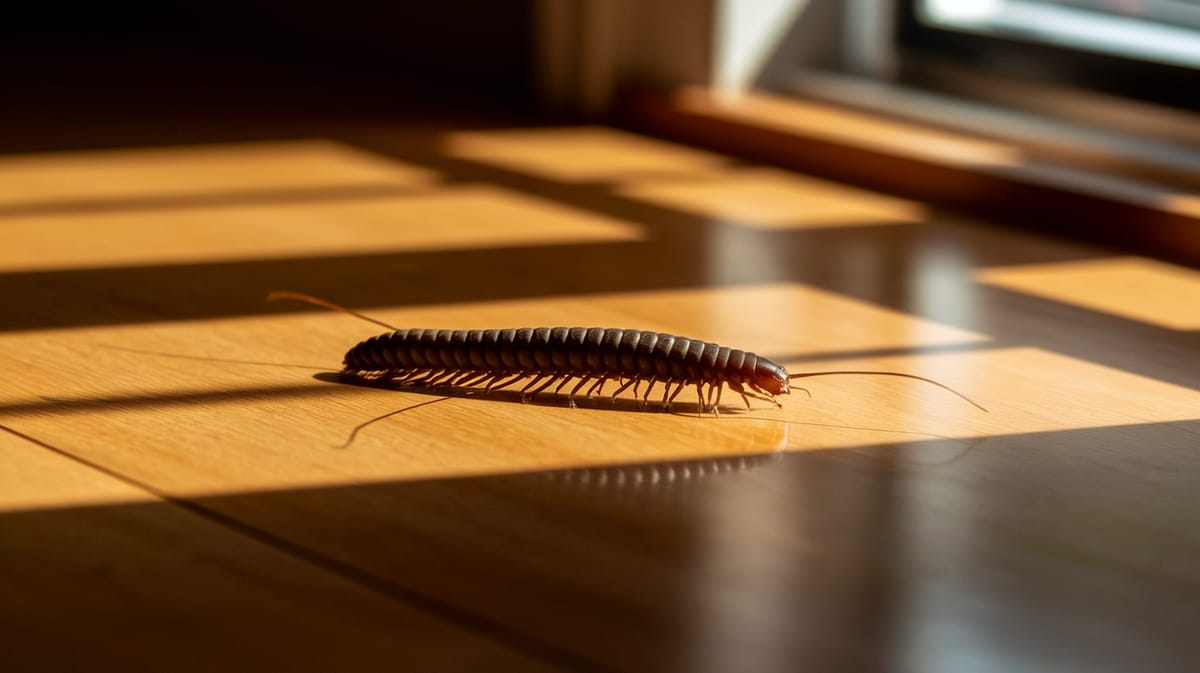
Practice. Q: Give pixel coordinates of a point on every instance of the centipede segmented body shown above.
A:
(498, 358)
(544, 356)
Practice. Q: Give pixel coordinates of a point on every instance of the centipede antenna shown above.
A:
(309, 299)
(900, 374)
(361, 426)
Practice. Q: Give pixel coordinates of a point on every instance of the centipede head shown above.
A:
(771, 378)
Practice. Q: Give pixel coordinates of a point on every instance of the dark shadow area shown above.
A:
(225, 58)
(1032, 546)
(677, 256)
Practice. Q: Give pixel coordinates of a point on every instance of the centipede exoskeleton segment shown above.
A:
(494, 359)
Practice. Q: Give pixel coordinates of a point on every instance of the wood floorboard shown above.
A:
(191, 487)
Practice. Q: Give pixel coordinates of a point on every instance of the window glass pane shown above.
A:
(1164, 31)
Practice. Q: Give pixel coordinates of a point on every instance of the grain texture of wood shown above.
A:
(881, 524)
(99, 573)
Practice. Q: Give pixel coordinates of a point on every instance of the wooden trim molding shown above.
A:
(944, 168)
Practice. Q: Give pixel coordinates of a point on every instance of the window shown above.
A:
(1144, 49)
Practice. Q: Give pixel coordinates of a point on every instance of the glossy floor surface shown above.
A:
(176, 484)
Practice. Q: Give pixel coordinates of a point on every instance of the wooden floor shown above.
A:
(176, 492)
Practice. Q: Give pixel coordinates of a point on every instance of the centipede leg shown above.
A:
(443, 377)
(598, 386)
(668, 400)
(424, 378)
(460, 376)
(765, 395)
(491, 378)
(571, 395)
(534, 382)
(404, 376)
(561, 384)
(621, 389)
(472, 379)
(700, 408)
(494, 386)
(546, 385)
(434, 375)
(649, 388)
(747, 394)
(737, 388)
(764, 398)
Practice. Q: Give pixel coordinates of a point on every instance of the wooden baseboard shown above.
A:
(946, 169)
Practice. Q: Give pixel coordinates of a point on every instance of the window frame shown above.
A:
(924, 50)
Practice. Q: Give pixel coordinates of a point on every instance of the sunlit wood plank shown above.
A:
(134, 175)
(466, 217)
(578, 154)
(771, 199)
(1139, 289)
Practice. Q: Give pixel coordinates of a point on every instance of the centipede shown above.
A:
(541, 357)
